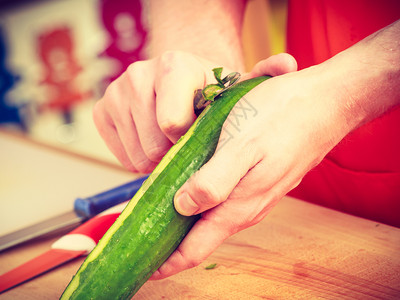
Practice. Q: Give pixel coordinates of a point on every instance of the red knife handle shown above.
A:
(86, 236)
(97, 227)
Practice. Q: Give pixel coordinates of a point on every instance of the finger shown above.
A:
(219, 223)
(176, 80)
(251, 200)
(204, 237)
(110, 136)
(274, 65)
(266, 202)
(143, 108)
(128, 135)
(213, 183)
(117, 102)
(254, 196)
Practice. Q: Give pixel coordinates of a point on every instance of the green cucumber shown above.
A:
(149, 229)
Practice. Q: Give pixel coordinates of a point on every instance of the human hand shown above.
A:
(291, 124)
(149, 107)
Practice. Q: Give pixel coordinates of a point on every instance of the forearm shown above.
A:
(368, 76)
(210, 29)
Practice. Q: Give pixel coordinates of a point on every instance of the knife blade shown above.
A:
(78, 242)
(84, 209)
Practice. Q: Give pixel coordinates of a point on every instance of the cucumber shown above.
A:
(149, 229)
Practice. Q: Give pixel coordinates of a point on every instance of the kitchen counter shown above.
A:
(299, 251)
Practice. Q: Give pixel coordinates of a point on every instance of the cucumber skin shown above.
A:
(153, 230)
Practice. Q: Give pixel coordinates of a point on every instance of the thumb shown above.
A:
(213, 183)
(274, 65)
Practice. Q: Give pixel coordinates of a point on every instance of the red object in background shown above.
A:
(56, 50)
(361, 175)
(123, 21)
(78, 242)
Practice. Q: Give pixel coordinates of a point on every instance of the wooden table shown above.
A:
(300, 251)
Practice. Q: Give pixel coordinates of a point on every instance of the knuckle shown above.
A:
(135, 74)
(143, 165)
(135, 71)
(172, 127)
(233, 227)
(206, 193)
(129, 166)
(226, 224)
(168, 60)
(190, 261)
(111, 96)
(155, 153)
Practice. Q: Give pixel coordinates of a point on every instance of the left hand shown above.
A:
(291, 128)
(299, 117)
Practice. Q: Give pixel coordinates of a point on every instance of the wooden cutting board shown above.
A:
(300, 251)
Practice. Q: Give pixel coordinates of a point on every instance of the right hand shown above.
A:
(149, 107)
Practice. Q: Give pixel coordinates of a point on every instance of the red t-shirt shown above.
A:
(361, 175)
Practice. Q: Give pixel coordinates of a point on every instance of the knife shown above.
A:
(84, 209)
(78, 242)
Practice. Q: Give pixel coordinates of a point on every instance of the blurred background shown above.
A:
(57, 57)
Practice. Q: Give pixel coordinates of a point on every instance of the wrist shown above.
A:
(213, 33)
(367, 77)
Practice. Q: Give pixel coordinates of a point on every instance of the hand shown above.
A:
(149, 107)
(292, 125)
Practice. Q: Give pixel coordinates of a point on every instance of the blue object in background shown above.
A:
(91, 206)
(8, 112)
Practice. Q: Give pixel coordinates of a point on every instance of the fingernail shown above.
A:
(184, 204)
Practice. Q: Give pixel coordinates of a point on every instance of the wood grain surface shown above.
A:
(300, 251)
